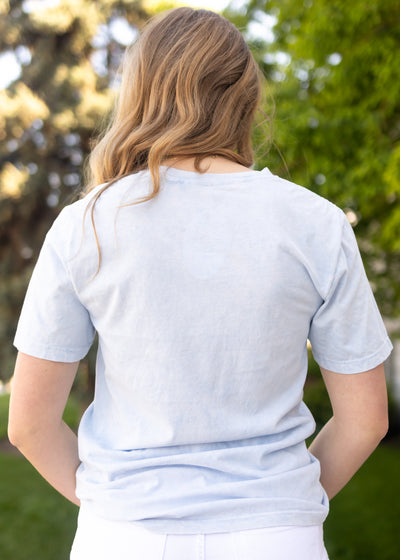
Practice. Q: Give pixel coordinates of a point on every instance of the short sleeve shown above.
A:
(347, 333)
(53, 323)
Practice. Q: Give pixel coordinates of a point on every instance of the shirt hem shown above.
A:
(186, 526)
(55, 354)
(360, 364)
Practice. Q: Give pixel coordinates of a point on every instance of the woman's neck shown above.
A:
(211, 164)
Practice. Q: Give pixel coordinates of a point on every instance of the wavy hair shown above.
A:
(190, 87)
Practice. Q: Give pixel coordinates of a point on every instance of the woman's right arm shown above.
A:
(359, 422)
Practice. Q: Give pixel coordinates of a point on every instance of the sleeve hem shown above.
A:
(358, 365)
(53, 353)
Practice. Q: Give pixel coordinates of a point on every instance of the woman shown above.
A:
(210, 278)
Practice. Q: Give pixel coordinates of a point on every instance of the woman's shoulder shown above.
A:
(76, 217)
(102, 197)
(300, 206)
(296, 192)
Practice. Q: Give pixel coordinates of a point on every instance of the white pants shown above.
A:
(100, 539)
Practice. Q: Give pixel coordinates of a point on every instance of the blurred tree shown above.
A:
(332, 67)
(68, 53)
(337, 119)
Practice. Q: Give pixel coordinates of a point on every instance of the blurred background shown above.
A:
(331, 124)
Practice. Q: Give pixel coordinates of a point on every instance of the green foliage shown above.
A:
(316, 396)
(317, 399)
(4, 401)
(337, 120)
(72, 413)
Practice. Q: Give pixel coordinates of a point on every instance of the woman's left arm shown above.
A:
(39, 393)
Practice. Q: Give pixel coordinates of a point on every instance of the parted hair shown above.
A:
(190, 87)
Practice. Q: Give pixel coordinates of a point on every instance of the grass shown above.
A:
(35, 521)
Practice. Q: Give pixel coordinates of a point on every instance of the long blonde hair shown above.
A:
(190, 87)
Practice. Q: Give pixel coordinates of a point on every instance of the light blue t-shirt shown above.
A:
(203, 305)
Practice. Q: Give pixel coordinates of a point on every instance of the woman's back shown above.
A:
(203, 305)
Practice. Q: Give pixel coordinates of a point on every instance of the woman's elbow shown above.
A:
(20, 432)
(374, 427)
(16, 434)
(382, 426)
(368, 427)
(13, 434)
